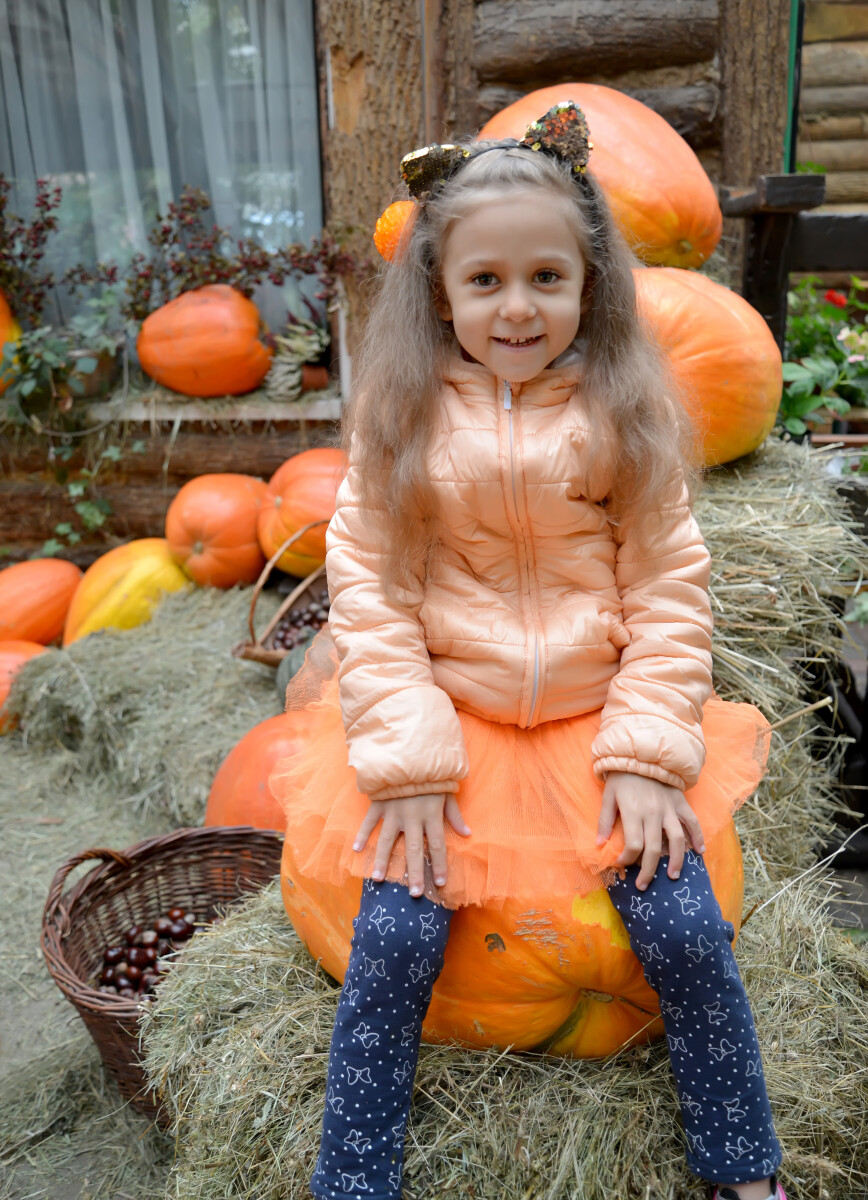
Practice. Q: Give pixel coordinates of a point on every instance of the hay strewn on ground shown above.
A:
(238, 1039)
(149, 714)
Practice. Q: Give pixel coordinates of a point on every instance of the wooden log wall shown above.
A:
(833, 113)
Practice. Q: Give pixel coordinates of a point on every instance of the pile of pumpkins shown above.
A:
(220, 530)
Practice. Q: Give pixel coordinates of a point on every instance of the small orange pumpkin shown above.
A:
(723, 356)
(35, 597)
(211, 529)
(205, 343)
(14, 653)
(577, 990)
(302, 490)
(660, 196)
(240, 794)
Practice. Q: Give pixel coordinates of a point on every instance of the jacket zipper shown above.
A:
(507, 404)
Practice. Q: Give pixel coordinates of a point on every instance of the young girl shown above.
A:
(520, 612)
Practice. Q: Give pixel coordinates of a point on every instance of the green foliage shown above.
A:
(823, 368)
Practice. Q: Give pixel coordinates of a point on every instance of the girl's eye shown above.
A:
(484, 279)
(547, 276)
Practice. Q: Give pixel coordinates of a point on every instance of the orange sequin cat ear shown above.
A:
(563, 132)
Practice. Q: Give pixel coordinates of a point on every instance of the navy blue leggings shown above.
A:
(677, 932)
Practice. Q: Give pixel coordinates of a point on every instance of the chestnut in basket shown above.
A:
(131, 934)
(163, 927)
(114, 954)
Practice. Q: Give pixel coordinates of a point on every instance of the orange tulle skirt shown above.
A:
(531, 798)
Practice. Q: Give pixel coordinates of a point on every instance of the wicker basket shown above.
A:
(262, 649)
(202, 870)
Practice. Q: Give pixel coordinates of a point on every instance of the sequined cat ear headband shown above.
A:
(562, 132)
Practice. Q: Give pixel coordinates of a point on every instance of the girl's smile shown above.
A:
(512, 276)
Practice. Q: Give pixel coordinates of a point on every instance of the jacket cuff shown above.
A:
(398, 791)
(634, 767)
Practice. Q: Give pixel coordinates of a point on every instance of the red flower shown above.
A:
(836, 298)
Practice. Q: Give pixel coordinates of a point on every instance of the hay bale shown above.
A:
(148, 714)
(237, 1040)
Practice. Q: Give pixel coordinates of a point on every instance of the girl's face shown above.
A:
(512, 277)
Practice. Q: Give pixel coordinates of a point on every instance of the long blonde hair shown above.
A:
(398, 373)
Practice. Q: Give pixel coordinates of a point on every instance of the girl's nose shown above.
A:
(516, 305)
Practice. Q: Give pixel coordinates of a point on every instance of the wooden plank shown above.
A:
(833, 128)
(834, 63)
(30, 511)
(829, 242)
(774, 193)
(845, 155)
(519, 42)
(846, 186)
(835, 22)
(155, 407)
(853, 98)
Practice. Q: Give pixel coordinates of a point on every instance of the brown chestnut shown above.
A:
(150, 954)
(108, 989)
(127, 993)
(138, 957)
(176, 913)
(190, 918)
(149, 981)
(114, 954)
(134, 973)
(107, 975)
(162, 925)
(148, 937)
(131, 934)
(164, 946)
(181, 930)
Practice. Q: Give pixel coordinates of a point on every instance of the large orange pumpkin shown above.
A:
(211, 529)
(723, 356)
(205, 343)
(659, 194)
(240, 794)
(35, 597)
(10, 331)
(122, 588)
(13, 654)
(302, 490)
(560, 978)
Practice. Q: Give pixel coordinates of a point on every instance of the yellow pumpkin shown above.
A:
(561, 978)
(121, 589)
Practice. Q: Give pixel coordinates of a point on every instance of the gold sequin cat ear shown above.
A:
(423, 169)
(562, 131)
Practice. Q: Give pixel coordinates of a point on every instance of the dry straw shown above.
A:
(237, 1041)
(150, 713)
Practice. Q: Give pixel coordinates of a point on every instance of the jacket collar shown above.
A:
(552, 386)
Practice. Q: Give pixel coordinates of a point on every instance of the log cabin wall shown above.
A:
(395, 74)
(833, 111)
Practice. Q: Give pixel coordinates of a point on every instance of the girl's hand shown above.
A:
(418, 818)
(649, 811)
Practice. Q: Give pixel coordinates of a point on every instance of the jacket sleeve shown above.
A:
(652, 719)
(403, 733)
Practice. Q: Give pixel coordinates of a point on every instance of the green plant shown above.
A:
(823, 368)
(23, 278)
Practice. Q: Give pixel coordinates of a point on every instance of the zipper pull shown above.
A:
(507, 395)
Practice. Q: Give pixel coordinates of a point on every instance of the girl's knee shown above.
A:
(398, 927)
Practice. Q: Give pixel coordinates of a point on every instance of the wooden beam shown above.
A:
(834, 63)
(844, 155)
(753, 52)
(515, 42)
(835, 22)
(830, 100)
(774, 193)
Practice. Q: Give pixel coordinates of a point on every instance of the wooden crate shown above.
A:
(176, 440)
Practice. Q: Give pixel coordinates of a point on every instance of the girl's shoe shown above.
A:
(729, 1193)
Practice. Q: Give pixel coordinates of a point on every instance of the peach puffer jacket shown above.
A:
(533, 608)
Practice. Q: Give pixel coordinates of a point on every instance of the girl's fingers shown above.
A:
(454, 817)
(634, 838)
(414, 848)
(690, 821)
(437, 851)
(385, 842)
(606, 823)
(651, 853)
(367, 827)
(675, 836)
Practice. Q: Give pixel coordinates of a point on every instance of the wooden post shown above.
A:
(753, 49)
